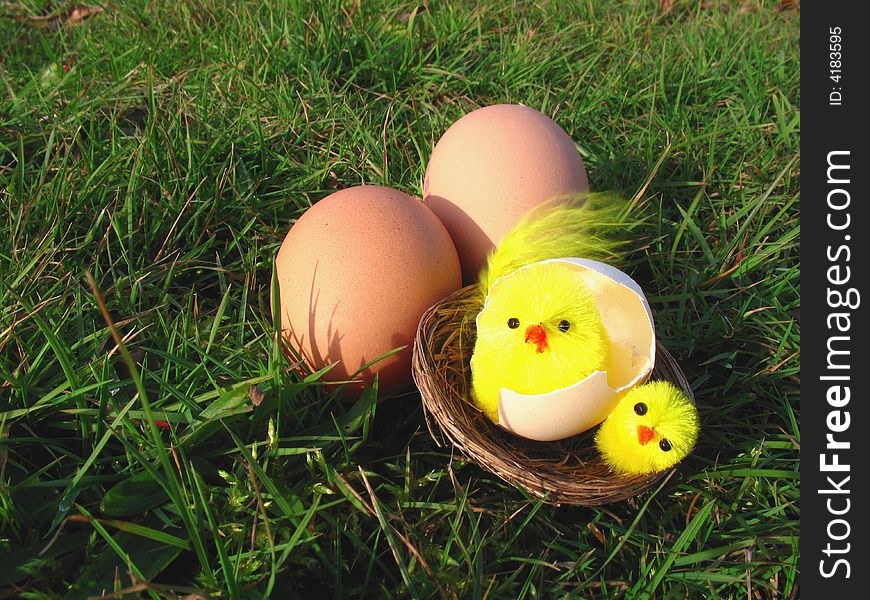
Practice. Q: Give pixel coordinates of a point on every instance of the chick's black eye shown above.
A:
(640, 408)
(564, 325)
(665, 445)
(513, 322)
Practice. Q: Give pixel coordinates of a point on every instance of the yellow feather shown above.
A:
(545, 294)
(664, 409)
(587, 225)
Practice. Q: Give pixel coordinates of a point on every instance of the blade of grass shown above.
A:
(173, 487)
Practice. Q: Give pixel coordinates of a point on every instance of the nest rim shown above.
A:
(563, 472)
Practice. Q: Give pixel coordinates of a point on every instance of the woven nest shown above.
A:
(565, 472)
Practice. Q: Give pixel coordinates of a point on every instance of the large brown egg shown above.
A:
(490, 168)
(356, 272)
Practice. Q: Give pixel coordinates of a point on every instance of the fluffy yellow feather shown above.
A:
(538, 331)
(653, 427)
(591, 225)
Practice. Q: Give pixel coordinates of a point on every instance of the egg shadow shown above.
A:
(394, 371)
(315, 354)
(456, 219)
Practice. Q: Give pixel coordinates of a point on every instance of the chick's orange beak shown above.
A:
(536, 335)
(644, 434)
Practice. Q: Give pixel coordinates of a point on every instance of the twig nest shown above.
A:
(570, 471)
(628, 323)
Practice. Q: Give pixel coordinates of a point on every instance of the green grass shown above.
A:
(170, 157)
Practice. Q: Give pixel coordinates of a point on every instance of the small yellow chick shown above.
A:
(653, 427)
(538, 331)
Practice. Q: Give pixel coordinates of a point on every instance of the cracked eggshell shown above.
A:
(568, 411)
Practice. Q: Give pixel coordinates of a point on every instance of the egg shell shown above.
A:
(565, 412)
(492, 167)
(356, 272)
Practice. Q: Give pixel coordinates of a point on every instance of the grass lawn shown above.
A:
(166, 148)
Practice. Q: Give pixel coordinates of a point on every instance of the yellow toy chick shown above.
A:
(538, 332)
(653, 427)
(539, 329)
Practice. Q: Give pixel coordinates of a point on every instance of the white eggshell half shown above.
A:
(568, 411)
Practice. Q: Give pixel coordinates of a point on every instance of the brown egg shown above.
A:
(490, 168)
(356, 272)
